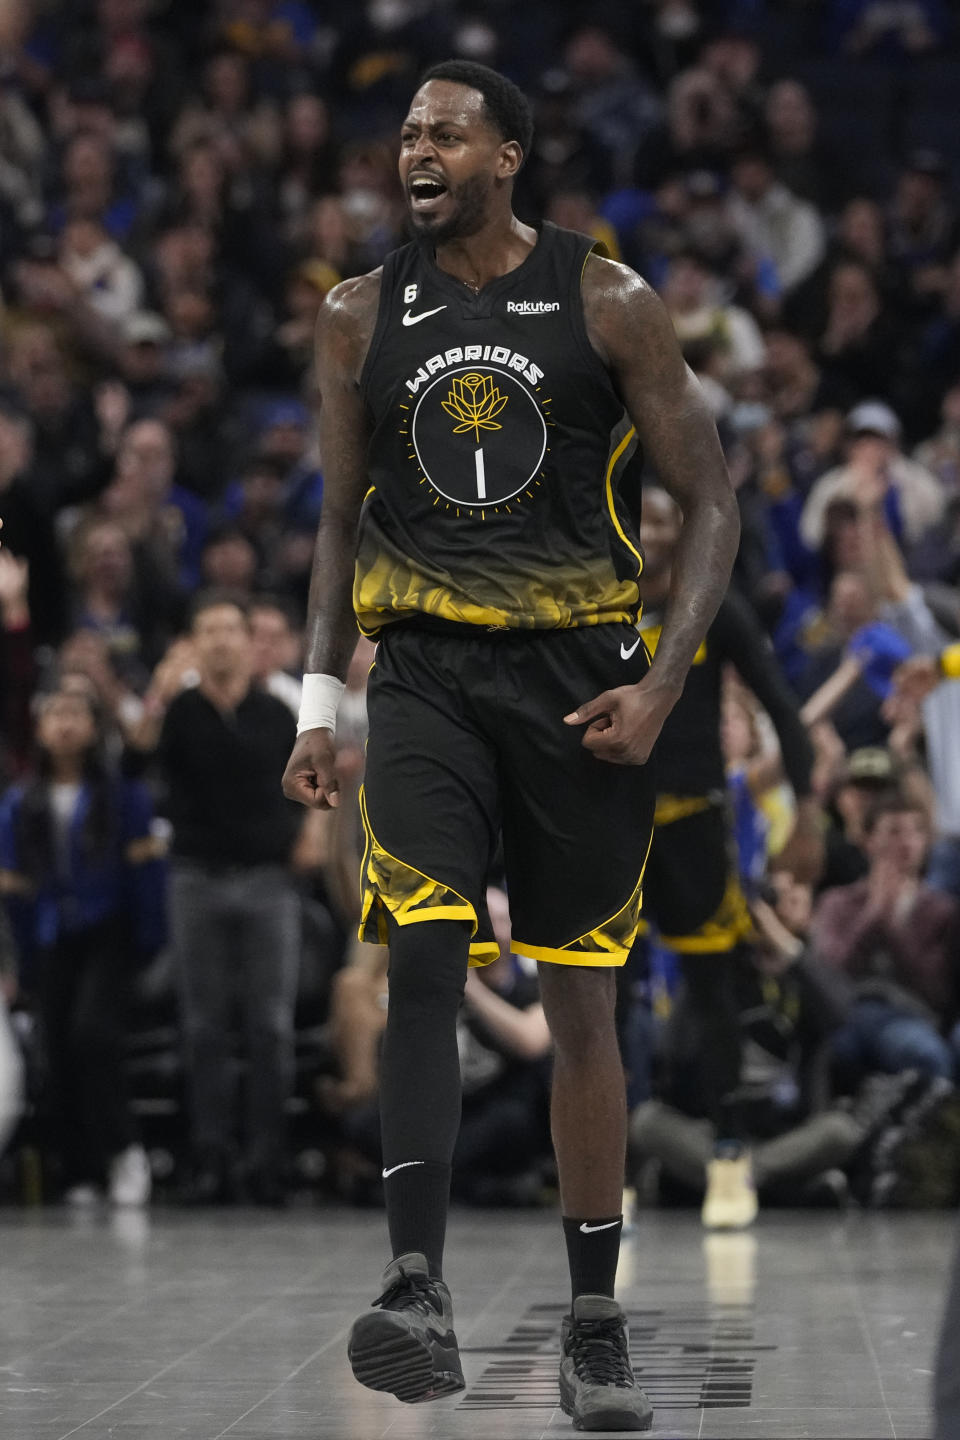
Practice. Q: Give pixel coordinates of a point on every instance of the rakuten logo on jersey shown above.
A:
(532, 307)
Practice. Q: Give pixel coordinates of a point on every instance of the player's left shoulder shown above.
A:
(609, 282)
(620, 309)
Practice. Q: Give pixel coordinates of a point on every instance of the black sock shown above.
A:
(417, 1195)
(593, 1249)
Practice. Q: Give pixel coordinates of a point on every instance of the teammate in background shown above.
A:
(691, 891)
(482, 394)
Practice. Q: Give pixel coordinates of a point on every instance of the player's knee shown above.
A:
(428, 965)
(580, 1004)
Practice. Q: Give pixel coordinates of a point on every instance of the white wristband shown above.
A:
(318, 705)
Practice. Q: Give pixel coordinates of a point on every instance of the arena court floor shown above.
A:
(181, 1326)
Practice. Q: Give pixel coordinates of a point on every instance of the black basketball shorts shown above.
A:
(692, 893)
(467, 740)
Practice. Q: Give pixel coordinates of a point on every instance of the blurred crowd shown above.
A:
(182, 1002)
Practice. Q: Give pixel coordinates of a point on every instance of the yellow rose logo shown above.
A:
(474, 400)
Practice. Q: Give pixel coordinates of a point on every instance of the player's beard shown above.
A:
(468, 215)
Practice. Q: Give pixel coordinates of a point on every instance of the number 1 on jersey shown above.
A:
(481, 477)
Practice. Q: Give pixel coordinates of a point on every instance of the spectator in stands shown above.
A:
(896, 940)
(774, 222)
(871, 27)
(937, 354)
(235, 913)
(701, 129)
(276, 650)
(805, 162)
(121, 600)
(254, 504)
(68, 454)
(562, 155)
(855, 710)
(229, 119)
(918, 683)
(307, 165)
(166, 521)
(141, 361)
(329, 238)
(858, 781)
(859, 238)
(23, 147)
(913, 498)
(700, 310)
(18, 668)
(11, 1062)
(611, 100)
(230, 562)
(102, 273)
(797, 386)
(855, 343)
(28, 533)
(84, 880)
(940, 453)
(89, 188)
(922, 223)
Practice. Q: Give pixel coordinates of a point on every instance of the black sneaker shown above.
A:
(408, 1347)
(597, 1384)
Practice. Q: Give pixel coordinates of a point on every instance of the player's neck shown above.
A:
(500, 246)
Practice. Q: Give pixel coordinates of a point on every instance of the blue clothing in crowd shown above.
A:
(94, 887)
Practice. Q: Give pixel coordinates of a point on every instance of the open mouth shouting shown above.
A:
(426, 191)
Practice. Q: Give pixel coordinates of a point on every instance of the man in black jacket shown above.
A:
(235, 914)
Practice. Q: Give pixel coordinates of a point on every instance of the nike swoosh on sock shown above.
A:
(402, 1166)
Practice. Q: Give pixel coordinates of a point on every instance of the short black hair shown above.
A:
(894, 801)
(212, 599)
(266, 600)
(508, 109)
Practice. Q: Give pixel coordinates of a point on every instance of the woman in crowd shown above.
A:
(83, 879)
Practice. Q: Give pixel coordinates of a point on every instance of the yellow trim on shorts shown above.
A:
(605, 960)
(607, 944)
(727, 927)
(421, 898)
(483, 952)
(671, 808)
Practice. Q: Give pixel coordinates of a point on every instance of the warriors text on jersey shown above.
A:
(497, 448)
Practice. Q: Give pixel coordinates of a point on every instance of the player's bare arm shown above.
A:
(631, 331)
(346, 325)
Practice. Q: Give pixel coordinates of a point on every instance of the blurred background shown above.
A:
(184, 1013)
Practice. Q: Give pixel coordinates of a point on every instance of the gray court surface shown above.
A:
(189, 1326)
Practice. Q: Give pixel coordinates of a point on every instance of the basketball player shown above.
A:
(691, 889)
(482, 395)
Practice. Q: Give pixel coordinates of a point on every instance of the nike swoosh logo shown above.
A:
(409, 319)
(626, 652)
(586, 1229)
(402, 1166)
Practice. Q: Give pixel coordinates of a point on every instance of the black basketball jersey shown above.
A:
(497, 448)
